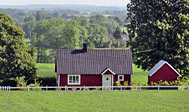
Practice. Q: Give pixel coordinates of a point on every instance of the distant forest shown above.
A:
(52, 28)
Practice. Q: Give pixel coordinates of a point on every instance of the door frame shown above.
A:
(111, 78)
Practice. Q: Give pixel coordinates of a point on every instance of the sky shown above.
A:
(62, 2)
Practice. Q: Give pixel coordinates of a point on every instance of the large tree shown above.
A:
(158, 30)
(96, 36)
(47, 34)
(108, 23)
(16, 58)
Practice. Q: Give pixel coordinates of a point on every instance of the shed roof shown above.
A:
(93, 61)
(158, 66)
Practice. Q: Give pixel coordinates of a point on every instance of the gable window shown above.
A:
(74, 79)
(120, 77)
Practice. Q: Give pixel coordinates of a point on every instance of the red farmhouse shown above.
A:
(93, 67)
(162, 71)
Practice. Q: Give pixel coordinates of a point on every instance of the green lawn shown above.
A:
(94, 101)
(45, 69)
(139, 75)
(49, 70)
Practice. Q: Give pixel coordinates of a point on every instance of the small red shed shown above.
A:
(162, 71)
(93, 67)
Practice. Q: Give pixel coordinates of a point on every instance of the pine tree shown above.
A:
(117, 33)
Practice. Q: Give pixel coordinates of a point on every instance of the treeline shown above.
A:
(26, 19)
(47, 30)
(50, 34)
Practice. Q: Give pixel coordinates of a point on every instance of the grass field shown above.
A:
(49, 70)
(45, 69)
(94, 101)
(139, 75)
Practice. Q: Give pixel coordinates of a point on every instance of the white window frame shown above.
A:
(120, 76)
(71, 83)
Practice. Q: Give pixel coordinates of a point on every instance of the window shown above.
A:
(74, 79)
(120, 77)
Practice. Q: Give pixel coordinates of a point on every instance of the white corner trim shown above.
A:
(58, 80)
(107, 70)
(158, 66)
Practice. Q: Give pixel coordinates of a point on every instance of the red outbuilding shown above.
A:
(162, 71)
(93, 67)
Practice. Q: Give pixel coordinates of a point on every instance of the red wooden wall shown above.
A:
(165, 73)
(91, 80)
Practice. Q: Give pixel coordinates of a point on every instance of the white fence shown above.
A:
(95, 88)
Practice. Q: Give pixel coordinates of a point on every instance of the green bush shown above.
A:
(118, 83)
(97, 89)
(47, 81)
(21, 82)
(86, 89)
(36, 84)
(125, 83)
(10, 82)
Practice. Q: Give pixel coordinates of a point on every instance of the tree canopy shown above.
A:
(158, 30)
(108, 23)
(16, 58)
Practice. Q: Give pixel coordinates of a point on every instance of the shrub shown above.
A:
(47, 81)
(86, 89)
(11, 83)
(36, 84)
(118, 83)
(21, 82)
(125, 83)
(97, 89)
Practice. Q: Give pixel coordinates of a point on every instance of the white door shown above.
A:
(107, 80)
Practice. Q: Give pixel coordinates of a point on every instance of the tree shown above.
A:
(29, 23)
(74, 35)
(119, 20)
(158, 30)
(47, 34)
(16, 58)
(109, 24)
(96, 36)
(40, 15)
(117, 33)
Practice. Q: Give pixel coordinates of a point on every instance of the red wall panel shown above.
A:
(165, 73)
(126, 78)
(91, 80)
(86, 80)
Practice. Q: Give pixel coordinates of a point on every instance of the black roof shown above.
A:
(93, 61)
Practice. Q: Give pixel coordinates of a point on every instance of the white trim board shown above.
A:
(72, 82)
(108, 69)
(121, 79)
(158, 66)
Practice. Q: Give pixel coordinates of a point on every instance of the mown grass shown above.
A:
(94, 101)
(139, 75)
(46, 70)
